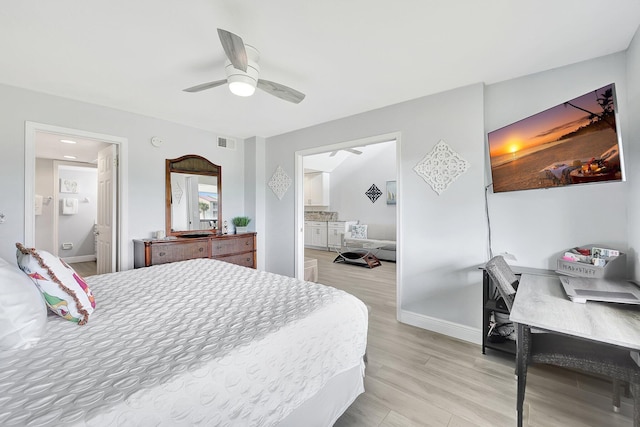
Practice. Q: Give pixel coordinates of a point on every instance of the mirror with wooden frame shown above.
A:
(193, 196)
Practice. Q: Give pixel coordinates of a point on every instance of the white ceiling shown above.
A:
(347, 56)
(50, 146)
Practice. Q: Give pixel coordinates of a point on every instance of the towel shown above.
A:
(69, 206)
(38, 205)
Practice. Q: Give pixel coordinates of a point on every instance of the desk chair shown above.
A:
(565, 351)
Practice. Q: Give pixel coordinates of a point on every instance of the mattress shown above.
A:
(199, 342)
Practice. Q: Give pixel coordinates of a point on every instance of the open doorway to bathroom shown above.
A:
(73, 199)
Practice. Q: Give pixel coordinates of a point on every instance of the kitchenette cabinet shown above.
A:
(335, 231)
(316, 189)
(325, 235)
(315, 234)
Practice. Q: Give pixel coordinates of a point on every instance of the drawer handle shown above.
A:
(219, 247)
(162, 253)
(248, 259)
(200, 249)
(246, 243)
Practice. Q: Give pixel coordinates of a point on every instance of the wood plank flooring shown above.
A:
(419, 378)
(85, 269)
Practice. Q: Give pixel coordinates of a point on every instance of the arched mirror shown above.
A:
(193, 196)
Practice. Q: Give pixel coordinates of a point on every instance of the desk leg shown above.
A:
(521, 368)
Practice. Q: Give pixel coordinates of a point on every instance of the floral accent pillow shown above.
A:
(359, 232)
(64, 291)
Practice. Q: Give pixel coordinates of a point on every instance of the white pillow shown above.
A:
(359, 232)
(23, 313)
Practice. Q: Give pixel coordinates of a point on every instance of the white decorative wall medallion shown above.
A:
(441, 167)
(280, 182)
(177, 192)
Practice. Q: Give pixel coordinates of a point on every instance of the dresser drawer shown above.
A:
(222, 246)
(171, 252)
(245, 260)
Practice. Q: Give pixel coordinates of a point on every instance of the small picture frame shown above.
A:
(68, 185)
(392, 192)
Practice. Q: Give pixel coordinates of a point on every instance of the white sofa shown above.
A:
(383, 234)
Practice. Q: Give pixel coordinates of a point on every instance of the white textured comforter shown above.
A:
(196, 342)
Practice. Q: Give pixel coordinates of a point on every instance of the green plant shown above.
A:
(204, 207)
(241, 221)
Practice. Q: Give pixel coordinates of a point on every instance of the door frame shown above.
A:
(122, 233)
(299, 199)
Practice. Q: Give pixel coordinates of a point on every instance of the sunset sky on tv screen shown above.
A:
(544, 127)
(574, 142)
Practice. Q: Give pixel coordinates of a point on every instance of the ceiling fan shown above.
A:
(350, 150)
(243, 70)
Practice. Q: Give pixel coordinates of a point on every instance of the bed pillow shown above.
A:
(23, 314)
(64, 291)
(359, 232)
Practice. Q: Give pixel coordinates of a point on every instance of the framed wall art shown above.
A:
(391, 192)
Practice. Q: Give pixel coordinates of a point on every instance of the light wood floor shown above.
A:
(419, 378)
(85, 269)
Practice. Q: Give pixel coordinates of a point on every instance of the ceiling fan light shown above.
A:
(241, 88)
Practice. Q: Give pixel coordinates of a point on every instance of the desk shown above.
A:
(541, 303)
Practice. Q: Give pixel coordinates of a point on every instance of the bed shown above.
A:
(199, 342)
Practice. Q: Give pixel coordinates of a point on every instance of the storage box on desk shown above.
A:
(616, 267)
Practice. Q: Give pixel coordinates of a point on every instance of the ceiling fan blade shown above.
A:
(353, 150)
(205, 86)
(281, 91)
(234, 48)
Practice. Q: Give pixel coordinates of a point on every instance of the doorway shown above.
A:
(70, 197)
(351, 148)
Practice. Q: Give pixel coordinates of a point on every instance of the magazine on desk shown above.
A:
(581, 290)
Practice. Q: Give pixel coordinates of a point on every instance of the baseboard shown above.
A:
(80, 258)
(455, 330)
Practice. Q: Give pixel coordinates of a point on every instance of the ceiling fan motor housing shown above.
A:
(244, 83)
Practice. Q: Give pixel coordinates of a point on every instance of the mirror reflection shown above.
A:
(194, 202)
(193, 196)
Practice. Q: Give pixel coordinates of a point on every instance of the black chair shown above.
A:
(565, 351)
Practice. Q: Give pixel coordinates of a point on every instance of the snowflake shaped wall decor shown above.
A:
(373, 193)
(280, 182)
(441, 167)
(177, 192)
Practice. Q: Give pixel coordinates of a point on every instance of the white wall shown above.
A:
(534, 225)
(255, 192)
(146, 163)
(442, 238)
(352, 178)
(633, 152)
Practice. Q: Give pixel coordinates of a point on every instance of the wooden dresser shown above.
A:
(237, 249)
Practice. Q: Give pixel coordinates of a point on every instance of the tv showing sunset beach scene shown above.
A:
(576, 142)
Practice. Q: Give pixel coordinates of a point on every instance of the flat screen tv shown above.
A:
(576, 142)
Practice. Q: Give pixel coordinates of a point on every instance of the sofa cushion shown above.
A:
(382, 231)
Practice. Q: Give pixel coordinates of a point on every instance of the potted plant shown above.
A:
(241, 223)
